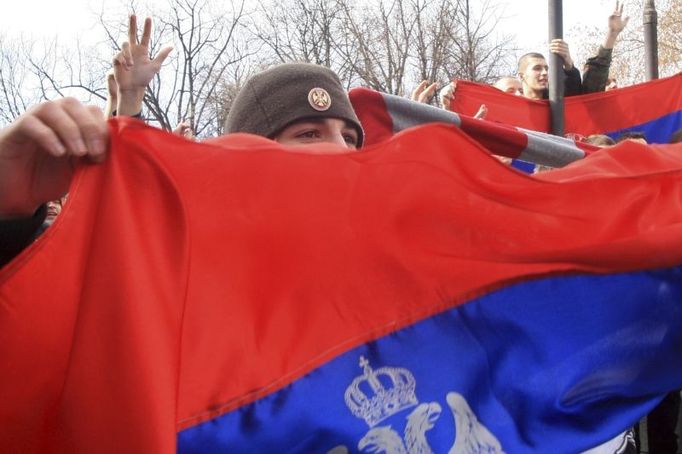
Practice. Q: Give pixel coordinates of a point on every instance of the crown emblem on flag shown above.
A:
(378, 394)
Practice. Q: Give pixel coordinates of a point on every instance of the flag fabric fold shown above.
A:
(383, 115)
(240, 296)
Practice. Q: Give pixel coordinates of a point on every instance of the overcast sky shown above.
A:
(527, 19)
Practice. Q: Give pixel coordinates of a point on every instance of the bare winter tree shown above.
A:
(395, 44)
(14, 98)
(477, 51)
(434, 33)
(376, 42)
(68, 71)
(304, 30)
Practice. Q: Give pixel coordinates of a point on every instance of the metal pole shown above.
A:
(556, 69)
(651, 40)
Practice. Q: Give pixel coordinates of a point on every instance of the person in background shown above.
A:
(600, 140)
(509, 85)
(635, 136)
(596, 69)
(296, 104)
(533, 72)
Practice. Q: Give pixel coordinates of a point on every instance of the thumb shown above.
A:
(162, 55)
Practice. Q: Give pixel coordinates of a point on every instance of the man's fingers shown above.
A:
(558, 47)
(61, 123)
(147, 32)
(161, 56)
(132, 29)
(34, 129)
(431, 89)
(74, 125)
(127, 55)
(417, 91)
(119, 60)
(427, 92)
(92, 129)
(447, 92)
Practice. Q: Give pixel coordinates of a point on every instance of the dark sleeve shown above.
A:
(597, 71)
(572, 82)
(17, 234)
(137, 115)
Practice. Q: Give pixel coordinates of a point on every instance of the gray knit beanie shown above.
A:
(273, 99)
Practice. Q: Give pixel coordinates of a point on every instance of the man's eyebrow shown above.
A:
(313, 120)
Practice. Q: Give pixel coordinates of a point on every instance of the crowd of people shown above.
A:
(293, 104)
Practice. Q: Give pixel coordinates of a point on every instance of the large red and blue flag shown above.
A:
(417, 296)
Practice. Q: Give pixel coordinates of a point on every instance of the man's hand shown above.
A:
(424, 91)
(617, 22)
(560, 47)
(446, 94)
(616, 25)
(184, 129)
(134, 69)
(40, 149)
(482, 112)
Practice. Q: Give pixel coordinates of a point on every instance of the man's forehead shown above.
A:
(536, 61)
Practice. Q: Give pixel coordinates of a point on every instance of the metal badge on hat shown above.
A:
(319, 99)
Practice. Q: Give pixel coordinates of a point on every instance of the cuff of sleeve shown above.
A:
(604, 53)
(573, 70)
(137, 115)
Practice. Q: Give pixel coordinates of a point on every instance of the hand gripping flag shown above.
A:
(417, 296)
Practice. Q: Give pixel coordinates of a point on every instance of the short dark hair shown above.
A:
(523, 61)
(631, 135)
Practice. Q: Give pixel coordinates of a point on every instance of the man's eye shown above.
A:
(311, 134)
(350, 139)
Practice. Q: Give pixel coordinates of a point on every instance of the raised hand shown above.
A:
(616, 20)
(40, 149)
(184, 129)
(446, 94)
(134, 68)
(424, 91)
